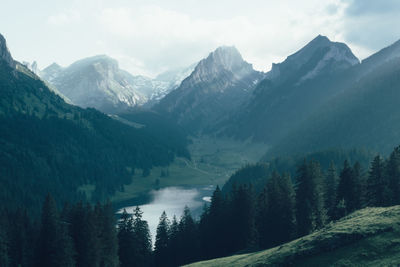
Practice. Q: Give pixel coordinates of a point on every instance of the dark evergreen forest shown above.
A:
(49, 146)
(239, 220)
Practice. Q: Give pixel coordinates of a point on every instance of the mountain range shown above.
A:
(296, 106)
(364, 115)
(50, 146)
(98, 82)
(291, 91)
(218, 85)
(302, 104)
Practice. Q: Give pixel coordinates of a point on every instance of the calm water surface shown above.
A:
(172, 200)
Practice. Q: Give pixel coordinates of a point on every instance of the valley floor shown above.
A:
(213, 162)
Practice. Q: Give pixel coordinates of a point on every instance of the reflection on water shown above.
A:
(207, 199)
(172, 200)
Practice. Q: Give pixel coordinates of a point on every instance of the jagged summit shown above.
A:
(320, 39)
(223, 59)
(319, 56)
(54, 65)
(228, 57)
(219, 84)
(99, 82)
(51, 72)
(5, 53)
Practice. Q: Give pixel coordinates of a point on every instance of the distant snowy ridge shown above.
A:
(98, 82)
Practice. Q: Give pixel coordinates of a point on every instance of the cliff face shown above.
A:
(5, 53)
(218, 85)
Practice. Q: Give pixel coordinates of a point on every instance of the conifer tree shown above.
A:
(287, 203)
(359, 186)
(280, 219)
(142, 240)
(162, 241)
(310, 213)
(213, 227)
(85, 235)
(392, 174)
(376, 186)
(20, 239)
(126, 240)
(262, 218)
(205, 229)
(107, 235)
(242, 219)
(188, 239)
(55, 248)
(348, 189)
(4, 259)
(331, 182)
(173, 242)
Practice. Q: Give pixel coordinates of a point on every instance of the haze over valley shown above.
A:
(159, 134)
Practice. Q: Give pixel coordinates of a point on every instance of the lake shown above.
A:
(172, 200)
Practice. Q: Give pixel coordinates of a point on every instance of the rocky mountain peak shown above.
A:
(228, 57)
(100, 63)
(5, 53)
(338, 51)
(51, 72)
(320, 55)
(320, 39)
(53, 66)
(223, 59)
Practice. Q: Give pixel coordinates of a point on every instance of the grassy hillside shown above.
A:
(369, 237)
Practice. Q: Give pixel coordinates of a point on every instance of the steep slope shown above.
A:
(369, 237)
(5, 53)
(96, 82)
(365, 115)
(32, 67)
(47, 145)
(218, 85)
(166, 82)
(51, 72)
(320, 56)
(292, 90)
(381, 57)
(155, 89)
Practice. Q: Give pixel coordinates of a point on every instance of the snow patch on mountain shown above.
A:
(334, 54)
(317, 57)
(98, 82)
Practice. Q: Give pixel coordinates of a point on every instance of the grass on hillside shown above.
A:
(213, 162)
(369, 237)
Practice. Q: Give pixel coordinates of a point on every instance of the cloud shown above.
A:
(64, 18)
(371, 25)
(152, 36)
(372, 7)
(164, 38)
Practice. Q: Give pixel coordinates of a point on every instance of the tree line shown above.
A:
(237, 221)
(242, 220)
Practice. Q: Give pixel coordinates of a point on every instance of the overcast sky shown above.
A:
(151, 36)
